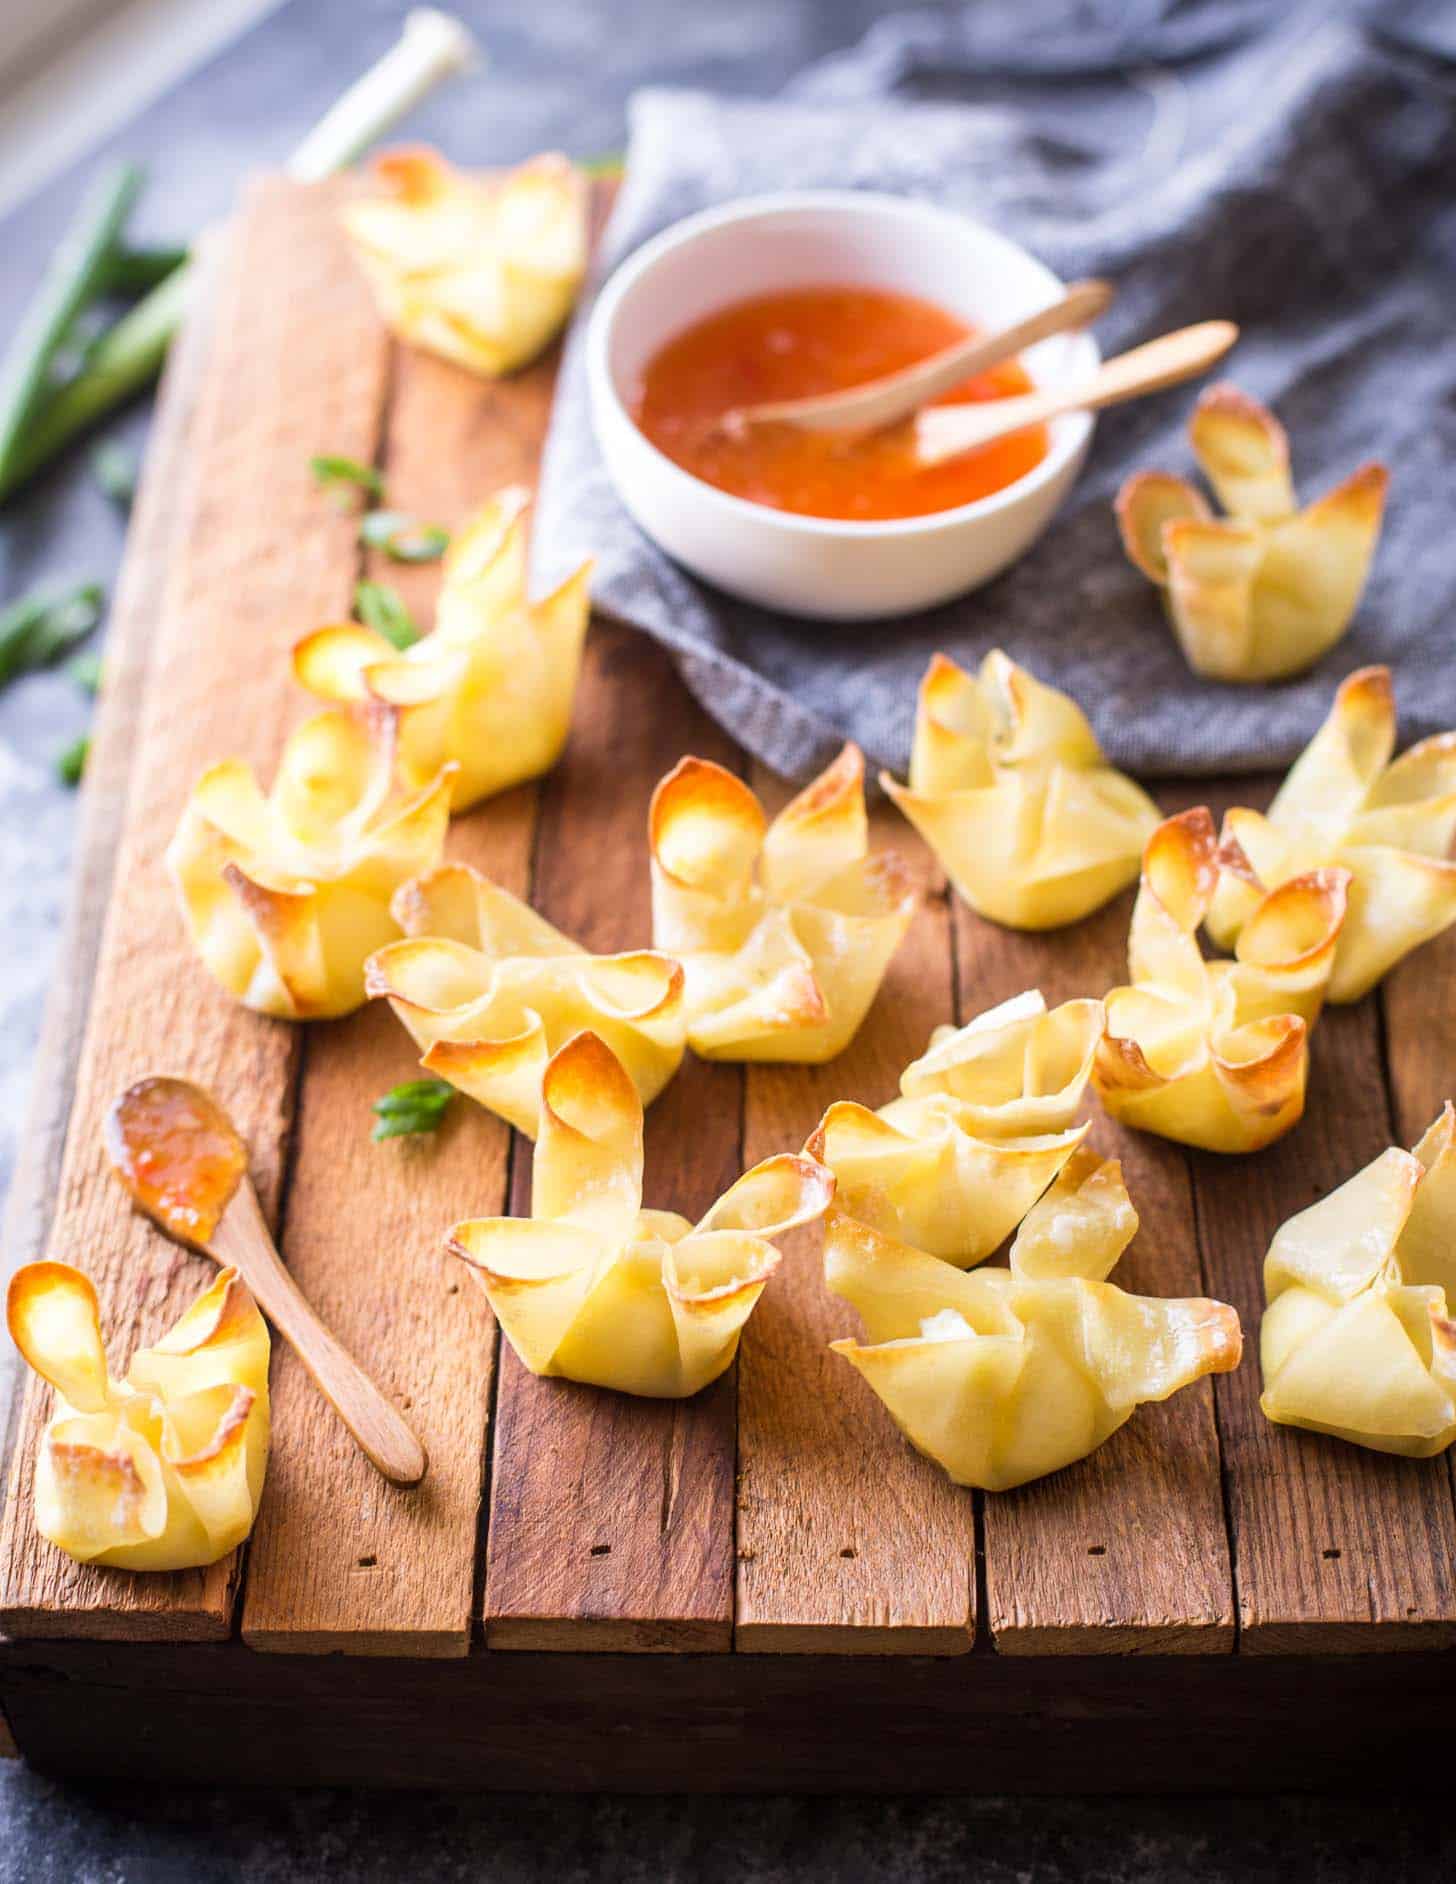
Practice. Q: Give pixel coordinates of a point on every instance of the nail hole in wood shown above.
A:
(367, 1563)
(1331, 1555)
(601, 1550)
(1096, 1550)
(848, 1551)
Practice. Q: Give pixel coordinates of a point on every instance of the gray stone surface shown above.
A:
(561, 73)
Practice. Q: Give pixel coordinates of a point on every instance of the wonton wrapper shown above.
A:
(982, 1126)
(489, 991)
(162, 1470)
(491, 689)
(1009, 788)
(1215, 1054)
(1357, 1339)
(596, 1289)
(287, 896)
(1262, 593)
(784, 930)
(1393, 827)
(1003, 1375)
(480, 269)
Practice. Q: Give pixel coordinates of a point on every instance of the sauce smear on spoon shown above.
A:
(176, 1151)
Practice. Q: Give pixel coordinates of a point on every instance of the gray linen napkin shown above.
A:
(1293, 171)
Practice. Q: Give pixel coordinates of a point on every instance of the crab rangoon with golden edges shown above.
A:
(593, 1287)
(1215, 1053)
(784, 929)
(163, 1469)
(1002, 1375)
(489, 991)
(286, 896)
(1010, 789)
(983, 1123)
(1357, 1339)
(482, 270)
(1392, 825)
(1262, 592)
(490, 690)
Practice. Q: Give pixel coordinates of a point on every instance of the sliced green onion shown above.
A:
(115, 470)
(416, 1107)
(38, 629)
(382, 608)
(339, 475)
(71, 762)
(86, 670)
(74, 277)
(138, 271)
(403, 539)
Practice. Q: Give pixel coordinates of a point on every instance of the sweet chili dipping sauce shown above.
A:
(818, 340)
(176, 1151)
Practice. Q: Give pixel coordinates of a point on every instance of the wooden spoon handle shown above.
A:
(947, 431)
(897, 395)
(242, 1238)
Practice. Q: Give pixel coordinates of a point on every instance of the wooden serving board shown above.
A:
(759, 1540)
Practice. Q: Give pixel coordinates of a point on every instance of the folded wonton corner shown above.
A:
(162, 1470)
(784, 929)
(1009, 788)
(481, 269)
(1215, 1053)
(1265, 591)
(1392, 826)
(593, 1287)
(982, 1126)
(1002, 1375)
(1357, 1339)
(489, 991)
(491, 689)
(287, 896)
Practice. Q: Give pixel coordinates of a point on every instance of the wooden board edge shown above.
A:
(1215, 1636)
(838, 1639)
(1302, 1638)
(608, 1635)
(409, 1645)
(24, 1623)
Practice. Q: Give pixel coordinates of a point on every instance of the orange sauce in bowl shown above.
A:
(793, 345)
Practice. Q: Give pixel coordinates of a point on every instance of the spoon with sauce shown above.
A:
(185, 1166)
(945, 432)
(896, 395)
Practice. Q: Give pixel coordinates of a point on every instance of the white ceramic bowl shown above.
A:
(819, 566)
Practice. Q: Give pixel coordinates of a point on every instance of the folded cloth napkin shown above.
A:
(1290, 170)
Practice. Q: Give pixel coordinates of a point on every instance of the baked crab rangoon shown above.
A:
(1262, 592)
(1002, 1375)
(160, 1470)
(489, 991)
(983, 1124)
(1344, 803)
(594, 1288)
(1009, 788)
(784, 929)
(1357, 1339)
(286, 896)
(481, 269)
(490, 690)
(1215, 1053)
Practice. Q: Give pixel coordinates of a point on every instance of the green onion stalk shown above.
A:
(34, 427)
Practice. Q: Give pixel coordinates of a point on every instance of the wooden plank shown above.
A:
(365, 1224)
(1336, 1549)
(156, 517)
(1126, 1552)
(284, 371)
(849, 1542)
(612, 1517)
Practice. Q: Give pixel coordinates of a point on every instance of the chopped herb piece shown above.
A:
(85, 670)
(71, 763)
(341, 477)
(138, 271)
(382, 608)
(610, 165)
(417, 1106)
(115, 470)
(402, 538)
(38, 629)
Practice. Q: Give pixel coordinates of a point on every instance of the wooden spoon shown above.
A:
(895, 396)
(183, 1163)
(944, 432)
